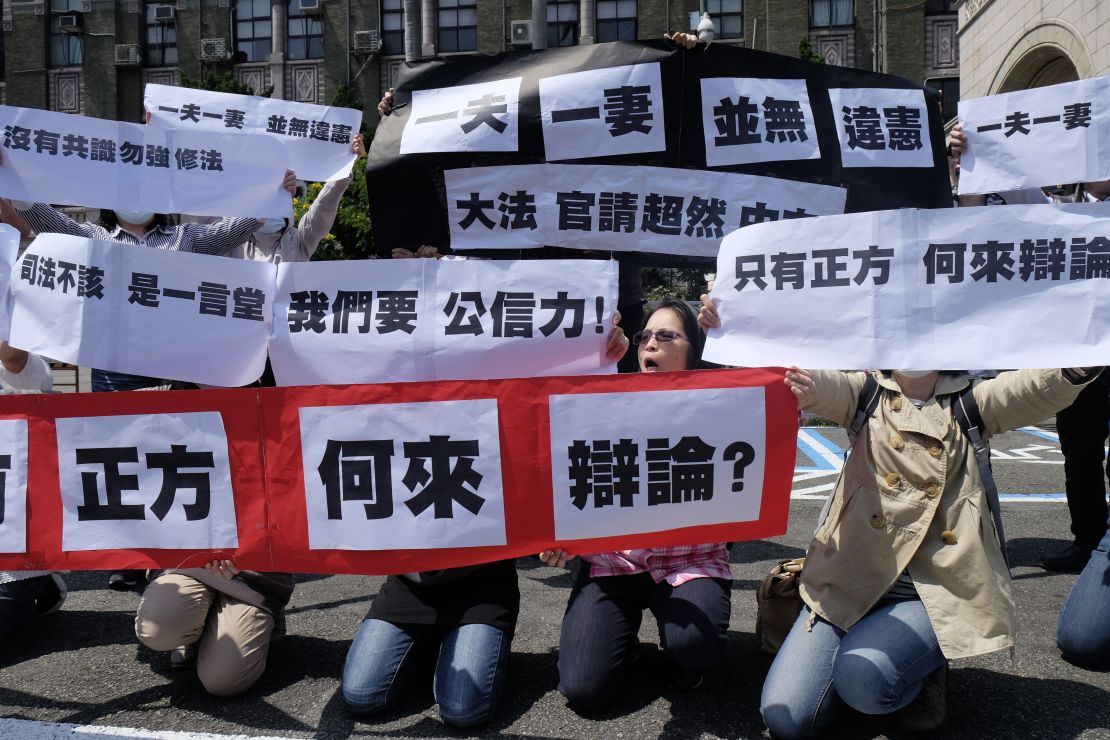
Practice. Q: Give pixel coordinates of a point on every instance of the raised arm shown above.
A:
(45, 220)
(1022, 397)
(320, 217)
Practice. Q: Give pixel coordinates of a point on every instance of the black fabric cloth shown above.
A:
(267, 591)
(1083, 428)
(488, 594)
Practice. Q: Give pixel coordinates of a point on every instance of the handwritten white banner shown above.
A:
(375, 321)
(317, 137)
(173, 315)
(62, 158)
(999, 286)
(1032, 138)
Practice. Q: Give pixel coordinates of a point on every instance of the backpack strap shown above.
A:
(866, 404)
(868, 401)
(966, 412)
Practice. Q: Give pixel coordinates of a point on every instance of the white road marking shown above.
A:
(23, 729)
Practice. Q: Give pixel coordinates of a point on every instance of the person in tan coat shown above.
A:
(905, 572)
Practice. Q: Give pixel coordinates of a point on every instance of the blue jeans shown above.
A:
(1083, 634)
(598, 638)
(876, 667)
(106, 380)
(469, 674)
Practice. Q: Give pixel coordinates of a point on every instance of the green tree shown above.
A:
(806, 52)
(226, 83)
(351, 233)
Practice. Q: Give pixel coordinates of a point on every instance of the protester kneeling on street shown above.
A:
(1083, 634)
(461, 620)
(687, 588)
(219, 618)
(906, 571)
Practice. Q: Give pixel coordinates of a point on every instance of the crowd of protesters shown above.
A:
(884, 607)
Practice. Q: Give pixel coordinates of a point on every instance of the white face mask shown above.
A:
(137, 218)
(913, 374)
(271, 226)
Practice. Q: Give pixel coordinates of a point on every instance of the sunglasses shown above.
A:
(663, 335)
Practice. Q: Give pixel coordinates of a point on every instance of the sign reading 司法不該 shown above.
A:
(643, 147)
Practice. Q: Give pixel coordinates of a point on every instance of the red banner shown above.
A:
(273, 501)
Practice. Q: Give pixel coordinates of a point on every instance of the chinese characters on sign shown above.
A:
(882, 127)
(753, 120)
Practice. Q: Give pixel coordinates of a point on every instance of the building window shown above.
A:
(937, 7)
(562, 22)
(830, 13)
(949, 89)
(160, 37)
(306, 34)
(393, 27)
(728, 16)
(67, 48)
(616, 20)
(253, 29)
(458, 25)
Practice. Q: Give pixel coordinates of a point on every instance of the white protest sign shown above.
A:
(318, 138)
(356, 321)
(62, 158)
(145, 481)
(628, 463)
(882, 127)
(13, 485)
(481, 117)
(518, 319)
(151, 312)
(749, 120)
(602, 112)
(403, 475)
(1031, 138)
(621, 208)
(380, 321)
(997, 286)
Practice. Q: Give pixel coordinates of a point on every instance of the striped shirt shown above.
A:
(675, 565)
(216, 238)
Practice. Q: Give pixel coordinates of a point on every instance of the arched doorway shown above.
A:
(1041, 66)
(1047, 54)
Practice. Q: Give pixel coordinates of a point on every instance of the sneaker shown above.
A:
(125, 580)
(53, 595)
(928, 711)
(184, 656)
(1071, 559)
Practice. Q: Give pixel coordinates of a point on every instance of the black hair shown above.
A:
(689, 318)
(110, 221)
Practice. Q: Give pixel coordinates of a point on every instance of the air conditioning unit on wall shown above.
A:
(309, 7)
(520, 33)
(127, 55)
(69, 23)
(367, 41)
(164, 13)
(213, 50)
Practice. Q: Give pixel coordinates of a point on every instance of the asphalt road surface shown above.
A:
(84, 668)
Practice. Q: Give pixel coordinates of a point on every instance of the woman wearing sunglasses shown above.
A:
(686, 588)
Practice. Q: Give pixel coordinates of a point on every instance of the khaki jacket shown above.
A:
(910, 497)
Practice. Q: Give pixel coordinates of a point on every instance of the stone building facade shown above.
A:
(93, 56)
(1011, 45)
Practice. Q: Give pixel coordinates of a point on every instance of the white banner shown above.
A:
(1032, 138)
(13, 485)
(882, 127)
(619, 466)
(317, 137)
(151, 312)
(478, 118)
(62, 158)
(998, 286)
(380, 321)
(159, 480)
(403, 475)
(622, 208)
(603, 112)
(749, 120)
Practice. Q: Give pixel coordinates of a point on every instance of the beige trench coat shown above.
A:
(910, 497)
